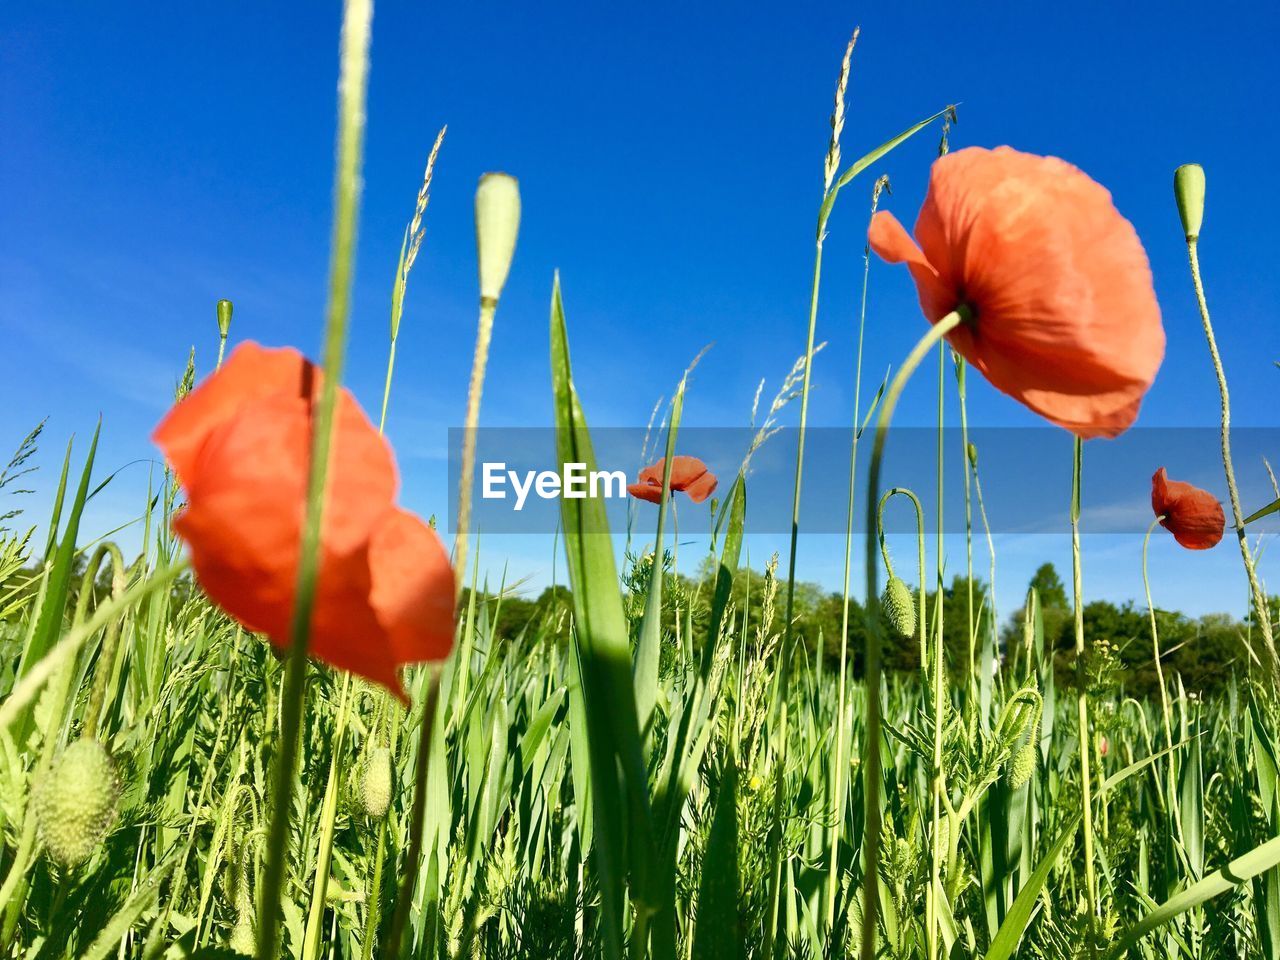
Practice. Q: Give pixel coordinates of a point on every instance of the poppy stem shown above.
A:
(1261, 609)
(354, 72)
(1082, 700)
(1155, 639)
(871, 767)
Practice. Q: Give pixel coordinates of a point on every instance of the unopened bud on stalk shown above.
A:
(898, 607)
(375, 783)
(224, 318)
(497, 223)
(75, 804)
(1188, 190)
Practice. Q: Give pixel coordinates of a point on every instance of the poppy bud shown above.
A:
(497, 222)
(224, 318)
(375, 783)
(899, 608)
(1188, 190)
(75, 804)
(1104, 746)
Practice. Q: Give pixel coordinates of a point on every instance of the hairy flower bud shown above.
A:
(75, 804)
(899, 607)
(375, 782)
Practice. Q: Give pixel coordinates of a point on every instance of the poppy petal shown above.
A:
(646, 491)
(250, 373)
(702, 488)
(413, 587)
(1193, 516)
(1065, 315)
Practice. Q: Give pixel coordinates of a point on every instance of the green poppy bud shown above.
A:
(1188, 190)
(375, 782)
(224, 318)
(899, 607)
(75, 804)
(497, 223)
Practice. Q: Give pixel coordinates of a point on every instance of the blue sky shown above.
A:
(670, 159)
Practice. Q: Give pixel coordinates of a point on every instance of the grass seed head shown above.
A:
(899, 607)
(375, 782)
(76, 803)
(242, 939)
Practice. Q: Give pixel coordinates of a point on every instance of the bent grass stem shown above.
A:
(871, 792)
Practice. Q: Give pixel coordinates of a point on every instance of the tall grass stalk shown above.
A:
(831, 166)
(837, 811)
(352, 84)
(409, 248)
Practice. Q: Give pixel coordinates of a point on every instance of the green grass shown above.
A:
(646, 764)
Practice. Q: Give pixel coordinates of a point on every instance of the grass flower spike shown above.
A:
(1065, 319)
(238, 444)
(688, 475)
(1192, 515)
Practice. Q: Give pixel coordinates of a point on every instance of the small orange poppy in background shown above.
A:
(1065, 318)
(1192, 515)
(240, 446)
(688, 474)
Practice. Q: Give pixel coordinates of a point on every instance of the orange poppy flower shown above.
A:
(1065, 318)
(240, 446)
(688, 474)
(1192, 515)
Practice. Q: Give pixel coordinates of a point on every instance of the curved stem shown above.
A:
(936, 777)
(1262, 610)
(105, 668)
(871, 774)
(1155, 639)
(357, 18)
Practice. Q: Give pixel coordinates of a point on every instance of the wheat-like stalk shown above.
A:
(416, 232)
(837, 116)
